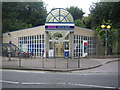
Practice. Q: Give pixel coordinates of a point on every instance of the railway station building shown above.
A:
(59, 37)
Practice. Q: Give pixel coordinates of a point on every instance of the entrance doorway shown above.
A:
(58, 42)
(59, 49)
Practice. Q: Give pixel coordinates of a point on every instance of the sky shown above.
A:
(84, 4)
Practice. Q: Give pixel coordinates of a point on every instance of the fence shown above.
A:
(48, 63)
(51, 63)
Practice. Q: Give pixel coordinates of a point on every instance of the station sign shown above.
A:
(59, 26)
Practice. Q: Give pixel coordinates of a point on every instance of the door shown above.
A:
(58, 49)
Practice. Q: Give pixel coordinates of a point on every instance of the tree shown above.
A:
(112, 35)
(79, 22)
(79, 19)
(85, 21)
(76, 12)
(106, 13)
(19, 15)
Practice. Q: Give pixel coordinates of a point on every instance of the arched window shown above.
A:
(59, 15)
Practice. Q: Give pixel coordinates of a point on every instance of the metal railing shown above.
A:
(54, 63)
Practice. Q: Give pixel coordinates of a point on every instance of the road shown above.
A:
(78, 79)
(111, 67)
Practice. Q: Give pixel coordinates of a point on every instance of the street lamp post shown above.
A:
(106, 38)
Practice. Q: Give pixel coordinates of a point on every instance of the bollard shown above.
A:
(20, 61)
(55, 62)
(46, 59)
(67, 62)
(43, 62)
(78, 62)
(9, 55)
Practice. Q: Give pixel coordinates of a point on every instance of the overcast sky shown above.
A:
(84, 4)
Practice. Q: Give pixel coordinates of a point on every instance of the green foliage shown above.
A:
(84, 22)
(19, 15)
(87, 21)
(107, 13)
(76, 12)
(79, 19)
(79, 22)
(112, 37)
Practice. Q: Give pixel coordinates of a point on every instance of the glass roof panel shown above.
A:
(55, 20)
(55, 12)
(51, 19)
(61, 18)
(48, 17)
(63, 12)
(70, 17)
(64, 34)
(64, 20)
(59, 15)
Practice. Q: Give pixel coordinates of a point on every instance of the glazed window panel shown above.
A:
(78, 45)
(32, 44)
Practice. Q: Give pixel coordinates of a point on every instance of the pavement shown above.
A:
(55, 65)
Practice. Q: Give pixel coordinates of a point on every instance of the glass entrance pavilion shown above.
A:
(59, 29)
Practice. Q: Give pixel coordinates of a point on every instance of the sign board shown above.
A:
(66, 53)
(51, 53)
(85, 48)
(59, 26)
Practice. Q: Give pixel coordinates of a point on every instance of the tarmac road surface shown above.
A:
(106, 77)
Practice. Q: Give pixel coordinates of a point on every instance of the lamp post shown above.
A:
(106, 28)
